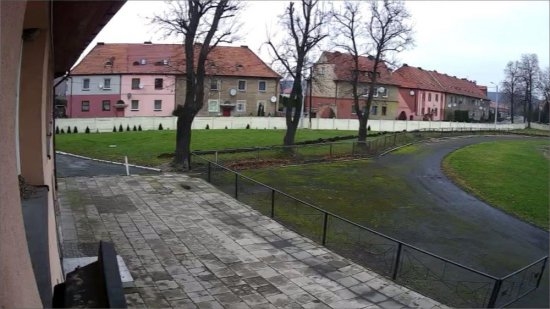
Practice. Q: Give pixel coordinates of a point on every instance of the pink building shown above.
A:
(125, 80)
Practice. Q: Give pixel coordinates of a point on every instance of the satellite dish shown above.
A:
(273, 99)
(411, 92)
(232, 91)
(381, 89)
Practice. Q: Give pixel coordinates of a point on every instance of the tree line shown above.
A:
(524, 82)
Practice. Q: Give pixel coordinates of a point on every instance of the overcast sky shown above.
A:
(472, 39)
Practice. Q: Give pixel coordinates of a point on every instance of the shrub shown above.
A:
(247, 126)
(87, 131)
(68, 130)
(114, 128)
(75, 130)
(368, 128)
(56, 130)
(139, 127)
(62, 132)
(207, 127)
(160, 127)
(135, 128)
(226, 127)
(120, 128)
(127, 127)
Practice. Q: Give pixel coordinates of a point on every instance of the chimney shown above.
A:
(370, 57)
(419, 68)
(147, 42)
(405, 65)
(244, 46)
(100, 43)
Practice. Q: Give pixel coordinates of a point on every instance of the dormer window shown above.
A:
(143, 62)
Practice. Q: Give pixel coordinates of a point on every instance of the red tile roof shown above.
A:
(413, 77)
(344, 66)
(126, 59)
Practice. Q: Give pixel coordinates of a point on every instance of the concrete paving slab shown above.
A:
(188, 245)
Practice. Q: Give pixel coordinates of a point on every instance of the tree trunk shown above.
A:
(362, 129)
(183, 140)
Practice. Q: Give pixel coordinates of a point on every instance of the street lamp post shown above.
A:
(496, 102)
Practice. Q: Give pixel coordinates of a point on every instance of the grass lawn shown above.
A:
(511, 175)
(144, 147)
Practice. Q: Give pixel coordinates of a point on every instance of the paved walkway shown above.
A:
(69, 165)
(188, 245)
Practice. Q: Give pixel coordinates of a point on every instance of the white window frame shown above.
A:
(241, 103)
(87, 106)
(239, 84)
(265, 85)
(385, 93)
(155, 105)
(211, 105)
(84, 84)
(374, 110)
(105, 82)
(132, 105)
(161, 83)
(138, 83)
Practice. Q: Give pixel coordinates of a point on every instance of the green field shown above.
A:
(511, 175)
(144, 147)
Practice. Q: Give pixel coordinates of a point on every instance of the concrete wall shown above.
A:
(540, 126)
(148, 94)
(152, 123)
(17, 283)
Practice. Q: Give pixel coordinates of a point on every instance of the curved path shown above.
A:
(463, 227)
(68, 165)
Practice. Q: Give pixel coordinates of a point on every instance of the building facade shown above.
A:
(238, 83)
(430, 95)
(30, 261)
(148, 80)
(331, 94)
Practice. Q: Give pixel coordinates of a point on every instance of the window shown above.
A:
(214, 84)
(429, 97)
(158, 105)
(241, 105)
(384, 110)
(106, 83)
(213, 106)
(242, 85)
(135, 105)
(85, 106)
(436, 97)
(435, 111)
(422, 110)
(106, 105)
(321, 70)
(262, 85)
(374, 109)
(135, 83)
(365, 91)
(158, 83)
(86, 84)
(385, 92)
(423, 98)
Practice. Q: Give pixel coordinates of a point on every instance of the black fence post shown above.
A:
(272, 203)
(330, 153)
(396, 262)
(542, 271)
(494, 294)
(209, 177)
(394, 138)
(236, 186)
(353, 149)
(258, 154)
(325, 223)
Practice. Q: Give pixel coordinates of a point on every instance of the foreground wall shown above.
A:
(169, 123)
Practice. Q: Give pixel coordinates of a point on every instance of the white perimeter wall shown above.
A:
(169, 123)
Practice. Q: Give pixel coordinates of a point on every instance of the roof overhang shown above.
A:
(75, 25)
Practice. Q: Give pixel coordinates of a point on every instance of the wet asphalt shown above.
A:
(463, 227)
(70, 166)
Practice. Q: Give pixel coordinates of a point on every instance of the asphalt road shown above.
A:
(70, 166)
(463, 227)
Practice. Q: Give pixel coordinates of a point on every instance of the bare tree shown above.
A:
(203, 25)
(544, 87)
(348, 35)
(305, 30)
(529, 71)
(388, 32)
(511, 83)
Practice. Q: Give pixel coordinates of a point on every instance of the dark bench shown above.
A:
(96, 285)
